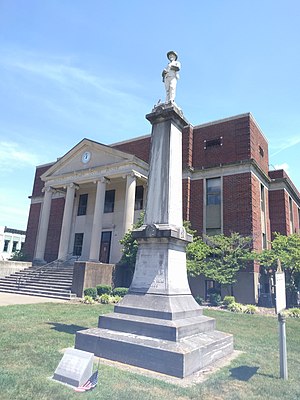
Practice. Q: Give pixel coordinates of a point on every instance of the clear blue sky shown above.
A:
(92, 68)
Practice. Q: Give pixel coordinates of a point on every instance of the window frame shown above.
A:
(78, 244)
(109, 203)
(139, 201)
(82, 204)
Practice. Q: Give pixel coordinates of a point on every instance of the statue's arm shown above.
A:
(175, 65)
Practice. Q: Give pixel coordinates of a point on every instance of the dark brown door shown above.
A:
(105, 247)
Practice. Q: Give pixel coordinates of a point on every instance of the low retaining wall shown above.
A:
(90, 274)
(10, 267)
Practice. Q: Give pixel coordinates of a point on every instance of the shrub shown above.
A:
(250, 309)
(215, 299)
(92, 292)
(88, 300)
(120, 291)
(199, 300)
(235, 307)
(105, 298)
(115, 299)
(228, 300)
(294, 312)
(103, 289)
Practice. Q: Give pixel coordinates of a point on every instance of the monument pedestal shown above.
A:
(158, 325)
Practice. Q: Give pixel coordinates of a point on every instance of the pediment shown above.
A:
(87, 155)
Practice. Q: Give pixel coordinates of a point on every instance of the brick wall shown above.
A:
(256, 213)
(140, 148)
(186, 192)
(32, 228)
(268, 221)
(38, 183)
(258, 147)
(278, 216)
(296, 217)
(237, 204)
(54, 229)
(278, 173)
(187, 146)
(196, 205)
(235, 141)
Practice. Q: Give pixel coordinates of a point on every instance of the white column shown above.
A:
(66, 222)
(43, 226)
(129, 202)
(97, 220)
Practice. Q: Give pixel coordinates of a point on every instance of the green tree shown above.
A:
(196, 252)
(287, 250)
(222, 257)
(217, 257)
(130, 245)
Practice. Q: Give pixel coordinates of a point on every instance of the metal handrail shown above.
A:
(39, 270)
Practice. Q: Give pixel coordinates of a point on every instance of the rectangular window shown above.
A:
(213, 143)
(82, 204)
(109, 203)
(213, 231)
(78, 241)
(14, 248)
(213, 191)
(263, 215)
(264, 241)
(6, 244)
(262, 198)
(213, 207)
(261, 151)
(105, 247)
(139, 197)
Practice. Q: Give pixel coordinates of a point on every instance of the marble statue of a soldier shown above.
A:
(170, 76)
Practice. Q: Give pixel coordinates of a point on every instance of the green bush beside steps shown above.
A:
(104, 294)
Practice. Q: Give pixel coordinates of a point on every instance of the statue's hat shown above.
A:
(172, 52)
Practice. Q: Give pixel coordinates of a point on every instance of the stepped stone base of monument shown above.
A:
(166, 334)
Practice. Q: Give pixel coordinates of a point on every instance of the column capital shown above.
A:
(102, 179)
(132, 174)
(48, 189)
(72, 185)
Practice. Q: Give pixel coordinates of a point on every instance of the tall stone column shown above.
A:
(97, 220)
(66, 222)
(164, 201)
(162, 239)
(43, 227)
(158, 325)
(129, 202)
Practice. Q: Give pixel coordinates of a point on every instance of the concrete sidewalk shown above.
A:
(7, 299)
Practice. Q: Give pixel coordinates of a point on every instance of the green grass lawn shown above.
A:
(32, 337)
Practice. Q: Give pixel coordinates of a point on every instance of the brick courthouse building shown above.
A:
(82, 204)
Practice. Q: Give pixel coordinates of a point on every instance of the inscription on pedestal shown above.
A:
(151, 273)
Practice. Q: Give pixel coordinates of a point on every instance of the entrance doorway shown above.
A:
(105, 247)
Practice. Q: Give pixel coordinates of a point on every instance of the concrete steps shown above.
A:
(50, 280)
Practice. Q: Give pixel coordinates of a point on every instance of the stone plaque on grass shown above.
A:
(75, 368)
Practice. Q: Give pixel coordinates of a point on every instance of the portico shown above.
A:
(103, 192)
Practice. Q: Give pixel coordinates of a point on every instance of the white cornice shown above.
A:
(230, 169)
